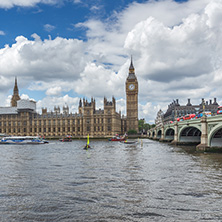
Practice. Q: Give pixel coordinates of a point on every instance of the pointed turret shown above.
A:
(80, 103)
(15, 96)
(131, 70)
(16, 91)
(80, 106)
(131, 64)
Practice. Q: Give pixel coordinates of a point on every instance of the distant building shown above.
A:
(159, 118)
(176, 110)
(22, 119)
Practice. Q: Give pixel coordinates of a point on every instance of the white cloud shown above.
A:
(54, 91)
(2, 32)
(166, 54)
(25, 96)
(43, 59)
(25, 3)
(176, 50)
(77, 1)
(51, 102)
(49, 27)
(95, 8)
(97, 81)
(149, 111)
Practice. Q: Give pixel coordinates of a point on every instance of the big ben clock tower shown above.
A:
(132, 99)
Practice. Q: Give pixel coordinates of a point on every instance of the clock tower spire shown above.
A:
(132, 99)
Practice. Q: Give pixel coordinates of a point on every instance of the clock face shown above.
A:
(131, 87)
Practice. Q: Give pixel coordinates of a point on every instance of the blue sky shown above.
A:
(63, 50)
(60, 18)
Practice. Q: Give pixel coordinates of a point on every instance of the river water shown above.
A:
(112, 182)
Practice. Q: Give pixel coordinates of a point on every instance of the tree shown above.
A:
(141, 123)
(143, 127)
(132, 132)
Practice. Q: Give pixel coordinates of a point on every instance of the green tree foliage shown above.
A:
(132, 132)
(141, 123)
(143, 127)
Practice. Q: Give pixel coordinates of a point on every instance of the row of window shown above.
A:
(62, 129)
(61, 121)
(54, 122)
(40, 130)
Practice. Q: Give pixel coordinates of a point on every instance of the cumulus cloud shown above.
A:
(97, 81)
(2, 32)
(149, 110)
(176, 52)
(50, 102)
(54, 91)
(47, 59)
(25, 96)
(166, 54)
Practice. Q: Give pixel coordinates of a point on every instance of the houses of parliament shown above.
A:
(21, 118)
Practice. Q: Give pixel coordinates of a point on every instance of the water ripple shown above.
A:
(109, 183)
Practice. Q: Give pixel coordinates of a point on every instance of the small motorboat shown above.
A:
(118, 138)
(66, 139)
(128, 142)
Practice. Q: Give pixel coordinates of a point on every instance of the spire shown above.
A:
(15, 96)
(131, 70)
(16, 91)
(131, 64)
(80, 103)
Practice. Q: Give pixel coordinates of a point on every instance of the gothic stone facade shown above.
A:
(159, 118)
(22, 119)
(176, 110)
(96, 123)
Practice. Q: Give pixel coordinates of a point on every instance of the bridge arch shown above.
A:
(159, 133)
(169, 134)
(153, 134)
(215, 136)
(190, 134)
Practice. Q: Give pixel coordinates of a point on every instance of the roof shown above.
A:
(8, 110)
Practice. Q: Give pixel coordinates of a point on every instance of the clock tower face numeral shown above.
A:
(131, 87)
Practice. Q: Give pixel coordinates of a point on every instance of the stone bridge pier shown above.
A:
(204, 136)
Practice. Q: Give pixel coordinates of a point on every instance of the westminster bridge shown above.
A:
(206, 132)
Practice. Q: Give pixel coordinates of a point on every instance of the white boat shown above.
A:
(22, 140)
(128, 142)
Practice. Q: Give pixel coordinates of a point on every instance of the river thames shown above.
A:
(111, 182)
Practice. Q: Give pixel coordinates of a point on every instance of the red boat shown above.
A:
(66, 139)
(118, 138)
